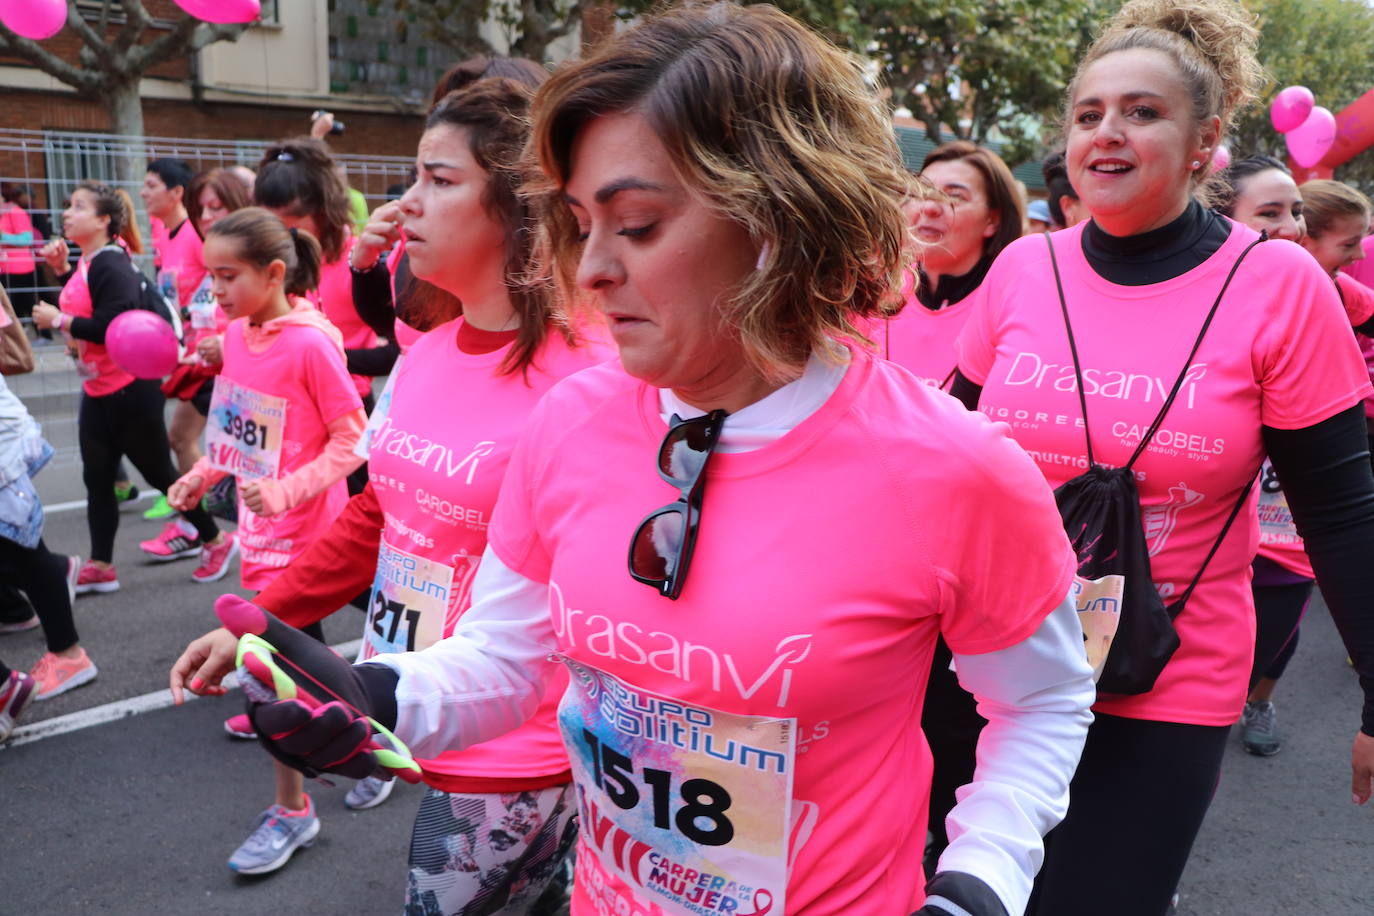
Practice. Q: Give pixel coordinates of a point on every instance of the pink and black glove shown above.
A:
(312, 710)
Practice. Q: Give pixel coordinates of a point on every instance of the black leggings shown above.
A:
(1278, 611)
(126, 423)
(42, 575)
(1135, 807)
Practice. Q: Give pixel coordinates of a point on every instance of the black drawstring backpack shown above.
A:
(1128, 633)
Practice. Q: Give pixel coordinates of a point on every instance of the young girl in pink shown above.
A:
(284, 420)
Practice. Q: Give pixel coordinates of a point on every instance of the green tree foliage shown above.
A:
(528, 26)
(972, 67)
(1324, 45)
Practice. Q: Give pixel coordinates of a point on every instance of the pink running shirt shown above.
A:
(1357, 298)
(178, 259)
(17, 259)
(922, 341)
(100, 374)
(304, 368)
(335, 299)
(756, 744)
(1279, 353)
(436, 473)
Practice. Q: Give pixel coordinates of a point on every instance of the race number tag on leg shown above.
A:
(1099, 611)
(244, 433)
(410, 601)
(689, 807)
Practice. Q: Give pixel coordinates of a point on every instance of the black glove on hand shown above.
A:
(326, 728)
(969, 894)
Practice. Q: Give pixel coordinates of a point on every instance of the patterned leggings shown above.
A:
(482, 855)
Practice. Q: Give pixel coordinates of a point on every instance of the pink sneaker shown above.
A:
(215, 559)
(92, 578)
(172, 544)
(55, 674)
(240, 726)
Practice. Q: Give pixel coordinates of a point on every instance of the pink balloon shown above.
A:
(1221, 158)
(1291, 108)
(1309, 142)
(223, 11)
(36, 19)
(142, 344)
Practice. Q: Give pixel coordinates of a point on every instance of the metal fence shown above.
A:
(50, 163)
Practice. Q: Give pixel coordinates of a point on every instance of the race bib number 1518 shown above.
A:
(687, 808)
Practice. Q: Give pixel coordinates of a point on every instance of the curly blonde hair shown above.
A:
(773, 127)
(1211, 42)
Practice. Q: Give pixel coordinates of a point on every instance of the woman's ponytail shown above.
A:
(128, 229)
(304, 275)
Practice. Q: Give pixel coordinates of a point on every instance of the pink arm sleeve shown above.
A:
(208, 475)
(333, 464)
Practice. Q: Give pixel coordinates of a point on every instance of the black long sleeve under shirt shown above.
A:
(1324, 469)
(115, 286)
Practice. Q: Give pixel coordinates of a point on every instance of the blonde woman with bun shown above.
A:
(1274, 370)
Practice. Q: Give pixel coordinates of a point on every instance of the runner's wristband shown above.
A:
(952, 893)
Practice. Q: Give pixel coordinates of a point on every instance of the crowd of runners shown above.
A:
(710, 480)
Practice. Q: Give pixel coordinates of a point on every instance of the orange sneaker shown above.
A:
(55, 675)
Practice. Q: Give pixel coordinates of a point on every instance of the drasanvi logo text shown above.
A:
(628, 643)
(1030, 370)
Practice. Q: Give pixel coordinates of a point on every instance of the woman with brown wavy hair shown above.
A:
(748, 658)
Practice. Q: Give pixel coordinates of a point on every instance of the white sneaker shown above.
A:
(369, 793)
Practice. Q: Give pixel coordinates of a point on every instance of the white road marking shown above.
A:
(110, 712)
(81, 503)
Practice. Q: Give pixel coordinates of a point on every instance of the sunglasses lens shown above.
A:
(685, 450)
(657, 545)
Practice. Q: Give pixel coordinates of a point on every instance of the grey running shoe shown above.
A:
(369, 793)
(1259, 732)
(277, 836)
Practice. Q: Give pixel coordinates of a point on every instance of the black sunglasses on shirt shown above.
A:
(661, 549)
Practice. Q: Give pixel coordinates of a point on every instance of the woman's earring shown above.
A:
(1196, 165)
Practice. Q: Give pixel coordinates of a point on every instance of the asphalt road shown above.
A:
(137, 816)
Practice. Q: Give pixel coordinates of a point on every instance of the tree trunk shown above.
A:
(126, 120)
(126, 117)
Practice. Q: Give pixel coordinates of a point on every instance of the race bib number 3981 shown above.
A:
(688, 806)
(244, 432)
